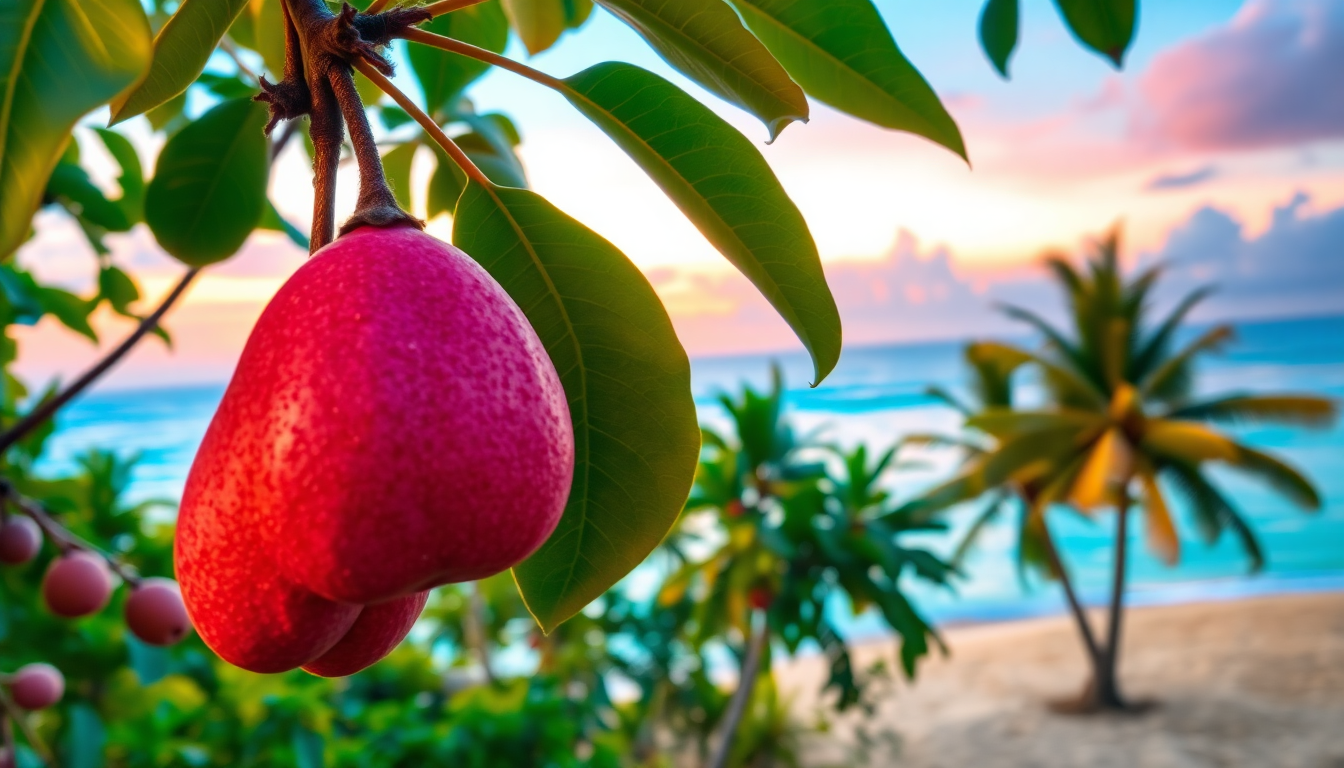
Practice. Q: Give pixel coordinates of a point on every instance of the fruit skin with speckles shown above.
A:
(155, 612)
(20, 540)
(394, 424)
(76, 584)
(37, 686)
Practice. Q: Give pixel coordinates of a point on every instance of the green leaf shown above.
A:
(577, 12)
(705, 40)
(149, 662)
(181, 50)
(721, 182)
(448, 181)
(397, 168)
(1105, 26)
(168, 116)
(999, 32)
(85, 738)
(209, 187)
(539, 23)
(58, 61)
(841, 52)
(443, 75)
(273, 221)
(71, 310)
(625, 375)
(132, 178)
(269, 22)
(309, 749)
(70, 185)
(119, 289)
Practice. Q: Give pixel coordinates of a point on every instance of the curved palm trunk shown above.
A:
(1094, 654)
(737, 707)
(1107, 689)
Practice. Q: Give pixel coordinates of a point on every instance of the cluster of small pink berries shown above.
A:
(79, 583)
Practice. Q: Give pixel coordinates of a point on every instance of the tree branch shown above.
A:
(40, 414)
(447, 6)
(63, 538)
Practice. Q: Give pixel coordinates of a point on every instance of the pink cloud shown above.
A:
(1274, 75)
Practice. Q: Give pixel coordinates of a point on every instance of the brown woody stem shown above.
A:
(39, 415)
(481, 54)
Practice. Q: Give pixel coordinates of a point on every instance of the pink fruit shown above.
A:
(394, 424)
(155, 612)
(6, 758)
(76, 584)
(20, 540)
(37, 686)
(374, 634)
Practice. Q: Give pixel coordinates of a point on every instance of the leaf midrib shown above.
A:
(582, 369)
(682, 35)
(742, 245)
(21, 54)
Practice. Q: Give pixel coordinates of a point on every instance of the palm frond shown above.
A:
(1158, 525)
(1298, 410)
(994, 366)
(1069, 384)
(1212, 511)
(1171, 380)
(1006, 423)
(1187, 442)
(986, 515)
(945, 397)
(1280, 476)
(1071, 351)
(1151, 352)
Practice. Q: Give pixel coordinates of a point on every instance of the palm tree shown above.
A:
(791, 535)
(1121, 429)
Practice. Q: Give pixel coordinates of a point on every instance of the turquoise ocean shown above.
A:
(876, 395)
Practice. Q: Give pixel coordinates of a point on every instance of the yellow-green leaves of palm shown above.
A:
(724, 186)
(87, 51)
(209, 187)
(706, 41)
(180, 51)
(625, 376)
(841, 52)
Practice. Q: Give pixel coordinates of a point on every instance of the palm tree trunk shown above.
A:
(1094, 655)
(737, 707)
(1107, 689)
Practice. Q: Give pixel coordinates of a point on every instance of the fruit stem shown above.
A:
(425, 121)
(480, 54)
(10, 712)
(62, 537)
(39, 415)
(320, 48)
(448, 6)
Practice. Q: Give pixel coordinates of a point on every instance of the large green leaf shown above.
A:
(180, 51)
(58, 60)
(539, 23)
(444, 75)
(209, 187)
(1105, 26)
(706, 41)
(998, 32)
(721, 182)
(627, 380)
(499, 163)
(841, 52)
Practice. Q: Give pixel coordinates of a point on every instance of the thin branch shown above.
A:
(425, 121)
(445, 6)
(746, 684)
(480, 54)
(11, 711)
(38, 415)
(64, 539)
(229, 48)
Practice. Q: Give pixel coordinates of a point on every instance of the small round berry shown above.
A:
(20, 540)
(37, 686)
(155, 612)
(77, 584)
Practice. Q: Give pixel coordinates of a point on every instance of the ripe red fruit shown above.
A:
(761, 598)
(76, 584)
(374, 634)
(155, 612)
(394, 424)
(37, 686)
(20, 540)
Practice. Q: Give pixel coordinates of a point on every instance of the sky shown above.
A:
(1219, 149)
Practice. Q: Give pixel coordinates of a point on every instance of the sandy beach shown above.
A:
(1255, 683)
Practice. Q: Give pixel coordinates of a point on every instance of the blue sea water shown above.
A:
(875, 396)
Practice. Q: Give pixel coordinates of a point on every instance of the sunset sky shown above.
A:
(1220, 147)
